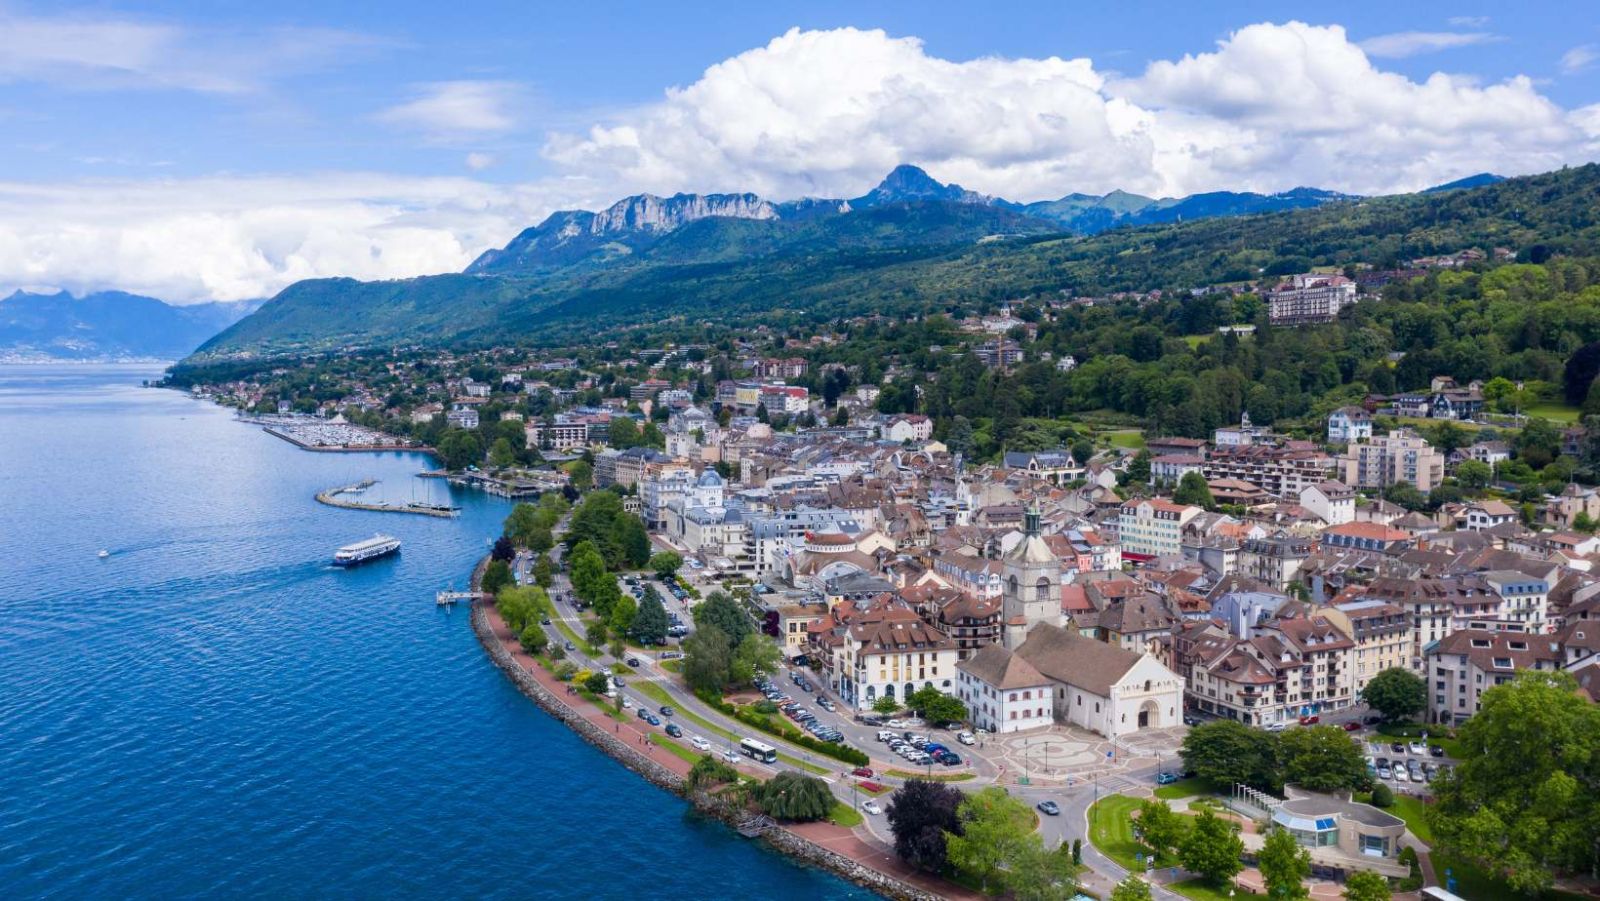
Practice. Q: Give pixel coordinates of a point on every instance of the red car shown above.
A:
(864, 772)
(1352, 726)
(1311, 720)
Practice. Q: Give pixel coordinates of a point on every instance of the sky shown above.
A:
(223, 149)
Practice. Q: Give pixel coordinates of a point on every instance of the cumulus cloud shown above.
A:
(449, 110)
(232, 238)
(1579, 58)
(1273, 106)
(1411, 43)
(818, 113)
(105, 52)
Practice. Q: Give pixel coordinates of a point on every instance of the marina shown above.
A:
(338, 497)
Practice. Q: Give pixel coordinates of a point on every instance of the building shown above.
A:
(1333, 502)
(1348, 425)
(1382, 635)
(1274, 561)
(1031, 579)
(1003, 692)
(565, 433)
(1524, 599)
(1055, 466)
(1341, 835)
(905, 427)
(1309, 298)
(890, 652)
(1400, 456)
(462, 416)
(1001, 353)
(1483, 515)
(1463, 664)
(1152, 527)
(1366, 536)
(1280, 470)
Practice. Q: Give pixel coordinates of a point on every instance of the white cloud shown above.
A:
(821, 113)
(1579, 58)
(1468, 21)
(1411, 43)
(101, 52)
(230, 238)
(1273, 106)
(452, 110)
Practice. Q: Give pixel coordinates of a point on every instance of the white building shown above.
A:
(1003, 692)
(1348, 425)
(907, 427)
(1334, 502)
(1153, 527)
(1309, 298)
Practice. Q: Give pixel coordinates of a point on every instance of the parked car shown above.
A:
(1191, 720)
(674, 731)
(1398, 747)
(1165, 778)
(1274, 727)
(1311, 720)
(1352, 726)
(885, 736)
(872, 808)
(1049, 808)
(1435, 751)
(1400, 774)
(951, 758)
(1384, 772)
(1419, 748)
(966, 738)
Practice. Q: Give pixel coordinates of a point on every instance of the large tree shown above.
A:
(1322, 758)
(706, 660)
(795, 797)
(650, 622)
(665, 563)
(936, 706)
(755, 653)
(1131, 888)
(1396, 693)
(1192, 489)
(1365, 885)
(1524, 802)
(1285, 866)
(920, 815)
(995, 833)
(1160, 828)
(1228, 752)
(721, 610)
(587, 569)
(1213, 848)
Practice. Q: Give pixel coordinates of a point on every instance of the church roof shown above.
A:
(1066, 656)
(998, 668)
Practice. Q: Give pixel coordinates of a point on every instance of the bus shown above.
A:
(758, 751)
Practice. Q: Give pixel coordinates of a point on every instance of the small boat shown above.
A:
(362, 551)
(103, 554)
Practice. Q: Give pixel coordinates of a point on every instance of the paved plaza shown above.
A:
(1069, 754)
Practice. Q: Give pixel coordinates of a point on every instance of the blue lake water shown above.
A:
(214, 710)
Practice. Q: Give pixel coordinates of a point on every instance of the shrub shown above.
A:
(1382, 796)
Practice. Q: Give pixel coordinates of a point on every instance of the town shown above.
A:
(1094, 595)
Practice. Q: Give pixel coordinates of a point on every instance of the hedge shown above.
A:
(788, 733)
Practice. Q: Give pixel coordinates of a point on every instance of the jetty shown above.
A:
(335, 497)
(451, 598)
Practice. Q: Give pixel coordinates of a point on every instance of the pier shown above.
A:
(333, 497)
(451, 598)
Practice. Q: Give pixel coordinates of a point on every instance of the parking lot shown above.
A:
(1405, 765)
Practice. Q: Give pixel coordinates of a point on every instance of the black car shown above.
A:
(667, 711)
(1435, 751)
(1398, 747)
(674, 731)
(633, 662)
(1049, 808)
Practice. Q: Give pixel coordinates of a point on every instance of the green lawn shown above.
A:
(1554, 411)
(844, 815)
(1129, 438)
(656, 693)
(1412, 810)
(1111, 830)
(687, 754)
(1185, 788)
(1200, 890)
(575, 638)
(930, 777)
(672, 666)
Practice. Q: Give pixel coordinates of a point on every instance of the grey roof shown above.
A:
(997, 667)
(1081, 662)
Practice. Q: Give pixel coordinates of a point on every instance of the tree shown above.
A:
(496, 576)
(1474, 475)
(995, 828)
(936, 706)
(756, 653)
(920, 815)
(502, 454)
(1285, 866)
(1382, 796)
(1322, 758)
(1212, 848)
(599, 683)
(649, 625)
(1139, 469)
(533, 639)
(459, 448)
(632, 540)
(620, 617)
(588, 571)
(503, 550)
(544, 574)
(665, 563)
(596, 633)
(1523, 802)
(1396, 693)
(1159, 828)
(1131, 889)
(580, 474)
(1228, 752)
(721, 610)
(795, 797)
(1582, 368)
(1448, 436)
(1365, 885)
(706, 659)
(1037, 874)
(1538, 444)
(885, 705)
(1193, 490)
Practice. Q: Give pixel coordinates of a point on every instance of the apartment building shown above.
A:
(1152, 527)
(1400, 456)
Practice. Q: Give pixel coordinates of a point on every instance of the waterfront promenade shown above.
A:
(335, 497)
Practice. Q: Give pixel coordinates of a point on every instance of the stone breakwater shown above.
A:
(782, 840)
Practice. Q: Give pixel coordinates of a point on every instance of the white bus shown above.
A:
(758, 751)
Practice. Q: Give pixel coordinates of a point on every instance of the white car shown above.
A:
(730, 756)
(896, 724)
(1419, 748)
(700, 744)
(626, 703)
(872, 808)
(1400, 774)
(966, 738)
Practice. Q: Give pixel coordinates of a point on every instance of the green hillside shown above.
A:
(910, 258)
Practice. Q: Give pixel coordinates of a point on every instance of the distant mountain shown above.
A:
(1471, 181)
(906, 184)
(108, 325)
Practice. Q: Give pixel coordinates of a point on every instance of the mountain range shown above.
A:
(108, 325)
(911, 247)
(635, 224)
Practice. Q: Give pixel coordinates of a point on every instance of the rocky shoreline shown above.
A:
(781, 840)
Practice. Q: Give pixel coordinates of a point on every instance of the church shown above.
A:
(1043, 672)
